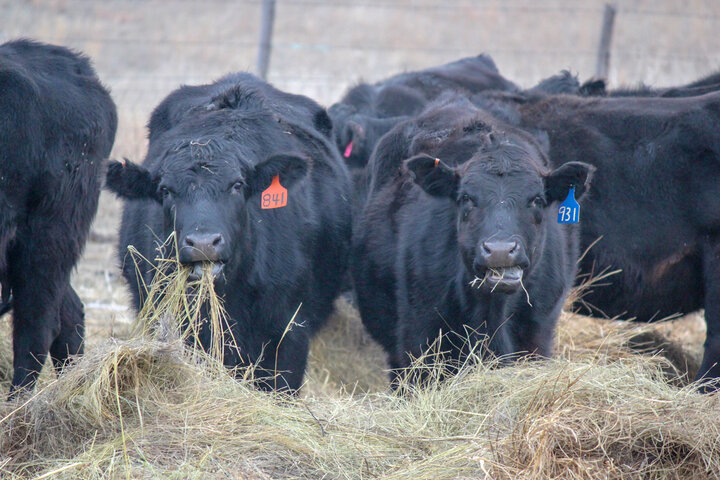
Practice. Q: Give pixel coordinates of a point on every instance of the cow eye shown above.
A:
(237, 187)
(538, 202)
(165, 192)
(465, 198)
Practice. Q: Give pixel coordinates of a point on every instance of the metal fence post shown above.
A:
(603, 61)
(266, 27)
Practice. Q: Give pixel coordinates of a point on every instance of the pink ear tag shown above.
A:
(348, 150)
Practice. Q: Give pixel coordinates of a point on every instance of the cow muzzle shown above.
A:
(201, 250)
(499, 267)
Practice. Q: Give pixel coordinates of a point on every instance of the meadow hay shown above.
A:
(154, 407)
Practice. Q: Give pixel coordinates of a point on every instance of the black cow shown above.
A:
(57, 125)
(465, 240)
(367, 112)
(214, 150)
(707, 84)
(654, 211)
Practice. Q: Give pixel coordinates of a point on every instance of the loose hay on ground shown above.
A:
(147, 409)
(151, 408)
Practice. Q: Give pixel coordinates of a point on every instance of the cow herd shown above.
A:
(455, 205)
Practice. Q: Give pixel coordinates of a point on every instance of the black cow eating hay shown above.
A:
(247, 179)
(463, 239)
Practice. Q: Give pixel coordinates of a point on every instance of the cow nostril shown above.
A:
(485, 248)
(514, 248)
(203, 247)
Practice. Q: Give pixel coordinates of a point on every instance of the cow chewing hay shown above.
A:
(178, 306)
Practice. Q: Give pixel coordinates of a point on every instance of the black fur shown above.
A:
(707, 84)
(564, 82)
(57, 126)
(655, 204)
(213, 150)
(406, 94)
(416, 247)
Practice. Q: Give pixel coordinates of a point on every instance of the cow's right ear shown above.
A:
(434, 176)
(130, 181)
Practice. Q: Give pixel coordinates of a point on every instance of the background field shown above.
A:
(144, 49)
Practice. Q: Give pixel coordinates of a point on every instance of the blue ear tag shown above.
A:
(569, 211)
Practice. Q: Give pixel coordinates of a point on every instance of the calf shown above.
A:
(463, 238)
(57, 126)
(214, 151)
(654, 212)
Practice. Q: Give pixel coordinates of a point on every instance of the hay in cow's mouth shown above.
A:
(181, 300)
(509, 276)
(197, 269)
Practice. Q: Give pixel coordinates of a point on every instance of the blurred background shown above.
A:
(143, 49)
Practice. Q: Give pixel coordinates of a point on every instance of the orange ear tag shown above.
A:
(275, 196)
(437, 162)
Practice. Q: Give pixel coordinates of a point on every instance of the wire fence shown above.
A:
(143, 49)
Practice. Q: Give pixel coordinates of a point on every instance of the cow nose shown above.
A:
(202, 247)
(500, 254)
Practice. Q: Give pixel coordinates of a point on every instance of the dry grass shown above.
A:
(152, 407)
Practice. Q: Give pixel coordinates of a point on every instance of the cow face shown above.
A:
(205, 203)
(502, 204)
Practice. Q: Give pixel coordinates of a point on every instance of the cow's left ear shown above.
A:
(289, 167)
(571, 174)
(434, 176)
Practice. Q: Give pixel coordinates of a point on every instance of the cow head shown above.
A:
(502, 202)
(356, 134)
(206, 202)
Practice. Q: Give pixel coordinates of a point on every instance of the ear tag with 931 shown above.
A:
(275, 196)
(569, 211)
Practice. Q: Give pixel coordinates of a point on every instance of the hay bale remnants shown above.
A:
(153, 407)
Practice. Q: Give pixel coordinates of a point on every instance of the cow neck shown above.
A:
(485, 313)
(247, 246)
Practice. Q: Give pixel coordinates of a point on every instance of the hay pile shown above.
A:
(151, 408)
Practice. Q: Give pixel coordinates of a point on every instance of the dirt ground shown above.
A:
(143, 50)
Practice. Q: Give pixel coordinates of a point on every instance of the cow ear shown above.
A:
(289, 167)
(593, 88)
(323, 123)
(130, 181)
(571, 174)
(353, 137)
(432, 175)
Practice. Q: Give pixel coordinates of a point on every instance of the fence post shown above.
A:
(603, 60)
(266, 27)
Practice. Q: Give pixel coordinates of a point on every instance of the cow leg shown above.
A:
(35, 327)
(72, 330)
(710, 367)
(283, 366)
